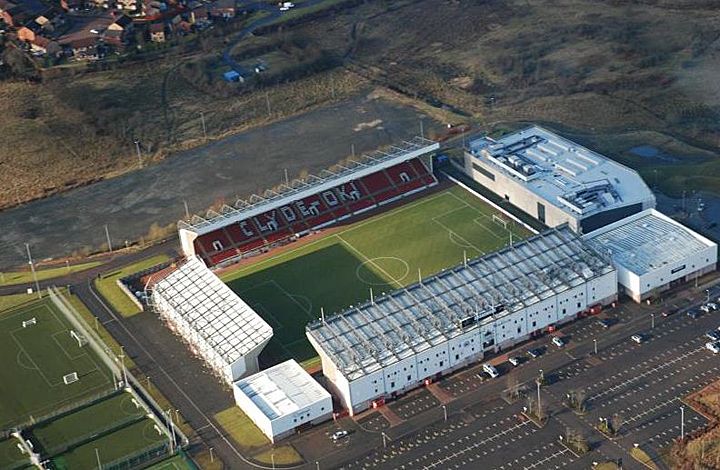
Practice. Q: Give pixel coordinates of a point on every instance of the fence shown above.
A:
(112, 361)
(140, 458)
(57, 412)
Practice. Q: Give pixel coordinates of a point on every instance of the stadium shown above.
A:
(391, 273)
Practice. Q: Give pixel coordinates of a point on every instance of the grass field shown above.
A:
(98, 418)
(382, 253)
(25, 277)
(108, 288)
(111, 447)
(177, 462)
(35, 360)
(10, 455)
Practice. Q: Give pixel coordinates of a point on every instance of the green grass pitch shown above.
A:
(36, 358)
(11, 457)
(382, 252)
(99, 417)
(111, 447)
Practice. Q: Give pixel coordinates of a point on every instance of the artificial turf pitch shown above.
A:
(36, 358)
(382, 252)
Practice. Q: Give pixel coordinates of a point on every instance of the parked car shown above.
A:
(605, 322)
(535, 352)
(694, 314)
(713, 335)
(712, 305)
(639, 338)
(558, 341)
(705, 308)
(337, 435)
(490, 370)
(713, 346)
(515, 361)
(667, 313)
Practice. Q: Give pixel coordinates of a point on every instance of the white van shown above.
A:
(490, 370)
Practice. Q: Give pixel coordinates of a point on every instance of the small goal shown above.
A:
(30, 322)
(500, 221)
(70, 378)
(81, 340)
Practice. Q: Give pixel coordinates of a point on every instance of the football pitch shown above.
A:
(36, 358)
(382, 253)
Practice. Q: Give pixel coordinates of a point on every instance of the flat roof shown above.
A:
(282, 389)
(366, 338)
(575, 179)
(297, 189)
(647, 241)
(213, 310)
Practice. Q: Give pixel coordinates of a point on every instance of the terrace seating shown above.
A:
(313, 211)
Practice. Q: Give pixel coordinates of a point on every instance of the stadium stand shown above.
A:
(248, 229)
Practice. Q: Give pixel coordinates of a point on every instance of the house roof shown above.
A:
(124, 21)
(157, 28)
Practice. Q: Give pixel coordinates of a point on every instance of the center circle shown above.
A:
(387, 265)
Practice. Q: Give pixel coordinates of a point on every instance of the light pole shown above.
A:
(32, 268)
(384, 439)
(97, 456)
(139, 155)
(682, 423)
(707, 294)
(317, 465)
(107, 236)
(444, 412)
(422, 129)
(212, 458)
(652, 320)
(537, 411)
(202, 118)
(595, 345)
(272, 459)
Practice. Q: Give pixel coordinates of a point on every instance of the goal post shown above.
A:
(500, 221)
(70, 378)
(30, 322)
(81, 340)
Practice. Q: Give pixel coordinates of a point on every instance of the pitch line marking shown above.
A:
(369, 261)
(372, 261)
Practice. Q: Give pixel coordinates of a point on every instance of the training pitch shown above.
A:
(382, 252)
(37, 357)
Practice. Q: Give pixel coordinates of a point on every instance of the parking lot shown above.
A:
(640, 386)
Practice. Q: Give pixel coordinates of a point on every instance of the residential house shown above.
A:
(83, 47)
(72, 5)
(223, 9)
(157, 32)
(199, 16)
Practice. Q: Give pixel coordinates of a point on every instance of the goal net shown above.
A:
(81, 340)
(70, 378)
(30, 322)
(500, 221)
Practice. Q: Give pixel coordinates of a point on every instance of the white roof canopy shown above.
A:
(282, 389)
(212, 309)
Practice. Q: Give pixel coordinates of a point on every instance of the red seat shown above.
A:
(375, 182)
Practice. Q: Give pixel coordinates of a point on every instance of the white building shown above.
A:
(217, 324)
(395, 342)
(556, 180)
(652, 252)
(283, 398)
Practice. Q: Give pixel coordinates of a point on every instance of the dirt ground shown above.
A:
(231, 168)
(615, 75)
